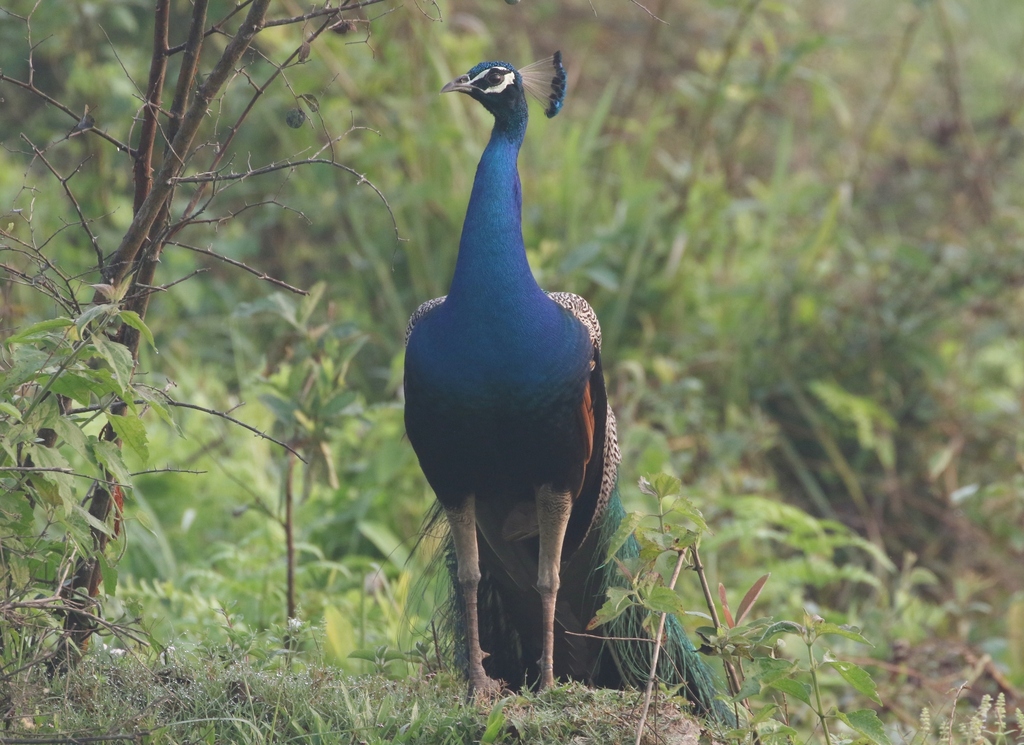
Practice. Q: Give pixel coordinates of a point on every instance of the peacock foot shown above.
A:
(482, 687)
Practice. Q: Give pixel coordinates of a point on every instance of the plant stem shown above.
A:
(817, 693)
(289, 532)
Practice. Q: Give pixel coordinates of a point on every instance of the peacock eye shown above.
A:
(494, 77)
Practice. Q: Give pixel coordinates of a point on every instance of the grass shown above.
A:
(193, 699)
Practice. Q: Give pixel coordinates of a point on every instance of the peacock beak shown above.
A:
(460, 84)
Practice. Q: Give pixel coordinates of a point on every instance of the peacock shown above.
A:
(506, 409)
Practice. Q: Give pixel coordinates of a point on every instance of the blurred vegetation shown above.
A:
(800, 222)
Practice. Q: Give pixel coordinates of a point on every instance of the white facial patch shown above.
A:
(506, 81)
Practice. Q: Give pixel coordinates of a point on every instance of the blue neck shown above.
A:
(491, 268)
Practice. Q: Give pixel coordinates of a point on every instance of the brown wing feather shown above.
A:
(587, 424)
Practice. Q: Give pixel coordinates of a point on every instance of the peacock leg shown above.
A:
(553, 510)
(462, 521)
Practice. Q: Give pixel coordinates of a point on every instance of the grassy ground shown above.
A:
(209, 700)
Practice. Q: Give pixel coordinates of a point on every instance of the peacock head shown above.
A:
(502, 89)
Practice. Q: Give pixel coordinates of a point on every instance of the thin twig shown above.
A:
(213, 412)
(235, 263)
(31, 88)
(83, 221)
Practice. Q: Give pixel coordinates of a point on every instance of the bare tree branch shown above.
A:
(151, 109)
(163, 184)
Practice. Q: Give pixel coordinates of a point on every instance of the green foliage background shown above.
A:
(799, 222)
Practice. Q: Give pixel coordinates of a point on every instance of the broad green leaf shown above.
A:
(92, 521)
(29, 364)
(109, 456)
(74, 387)
(39, 329)
(132, 432)
(683, 506)
(848, 632)
(10, 410)
(93, 313)
(750, 687)
(769, 669)
(622, 534)
(793, 688)
(619, 599)
(158, 402)
(76, 439)
(780, 627)
(78, 385)
(133, 319)
(370, 655)
(858, 678)
(109, 574)
(867, 723)
(118, 357)
(282, 409)
(45, 457)
(663, 600)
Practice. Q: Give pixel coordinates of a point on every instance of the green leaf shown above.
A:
(858, 678)
(109, 573)
(309, 303)
(92, 521)
(769, 669)
(10, 410)
(76, 439)
(74, 387)
(660, 485)
(78, 385)
(109, 456)
(118, 357)
(619, 599)
(94, 312)
(158, 402)
(622, 534)
(45, 457)
(793, 688)
(867, 723)
(750, 687)
(370, 655)
(133, 319)
(39, 329)
(132, 432)
(848, 632)
(495, 724)
(663, 600)
(780, 627)
(686, 508)
(29, 363)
